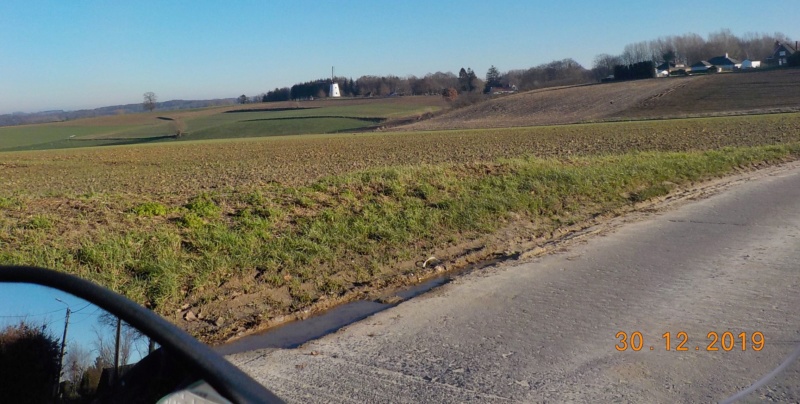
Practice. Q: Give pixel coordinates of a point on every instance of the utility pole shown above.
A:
(61, 356)
(116, 354)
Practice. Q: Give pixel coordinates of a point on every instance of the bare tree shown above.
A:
(150, 99)
(76, 362)
(604, 65)
(756, 46)
(404, 86)
(556, 73)
(105, 343)
(512, 78)
(441, 81)
(721, 42)
(637, 52)
(421, 85)
(690, 48)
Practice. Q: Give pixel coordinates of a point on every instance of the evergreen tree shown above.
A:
(492, 78)
(463, 80)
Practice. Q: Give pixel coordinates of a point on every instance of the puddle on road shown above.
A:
(296, 333)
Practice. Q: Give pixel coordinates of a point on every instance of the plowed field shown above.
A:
(174, 170)
(711, 95)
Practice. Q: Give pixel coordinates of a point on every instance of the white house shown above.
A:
(750, 64)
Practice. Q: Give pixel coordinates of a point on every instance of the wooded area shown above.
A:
(631, 63)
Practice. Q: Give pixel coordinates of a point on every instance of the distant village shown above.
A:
(724, 63)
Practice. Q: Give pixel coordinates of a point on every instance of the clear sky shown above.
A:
(86, 54)
(37, 305)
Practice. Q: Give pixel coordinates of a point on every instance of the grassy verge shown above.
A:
(296, 245)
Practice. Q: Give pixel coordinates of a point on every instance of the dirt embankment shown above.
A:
(552, 106)
(720, 94)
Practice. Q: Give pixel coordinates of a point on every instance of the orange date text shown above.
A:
(725, 341)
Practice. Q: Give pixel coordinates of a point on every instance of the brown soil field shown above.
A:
(744, 92)
(173, 171)
(720, 94)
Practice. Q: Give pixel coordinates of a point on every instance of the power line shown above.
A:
(45, 313)
(31, 315)
(42, 314)
(79, 310)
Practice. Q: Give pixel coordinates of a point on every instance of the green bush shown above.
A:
(191, 220)
(150, 209)
(204, 206)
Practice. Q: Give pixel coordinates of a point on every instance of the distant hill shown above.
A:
(717, 94)
(20, 118)
(724, 94)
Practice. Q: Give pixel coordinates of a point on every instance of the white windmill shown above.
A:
(334, 93)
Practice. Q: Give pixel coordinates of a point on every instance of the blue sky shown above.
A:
(85, 54)
(38, 305)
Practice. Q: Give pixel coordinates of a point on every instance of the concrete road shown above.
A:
(545, 330)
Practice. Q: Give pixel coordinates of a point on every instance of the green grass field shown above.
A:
(279, 127)
(215, 123)
(330, 119)
(38, 137)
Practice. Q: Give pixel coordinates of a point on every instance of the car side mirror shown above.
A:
(65, 338)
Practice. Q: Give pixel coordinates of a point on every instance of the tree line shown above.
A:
(637, 60)
(556, 73)
(364, 86)
(690, 48)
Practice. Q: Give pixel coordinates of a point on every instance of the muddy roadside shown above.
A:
(236, 315)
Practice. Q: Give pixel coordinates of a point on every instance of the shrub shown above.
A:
(203, 206)
(150, 209)
(450, 94)
(28, 360)
(191, 220)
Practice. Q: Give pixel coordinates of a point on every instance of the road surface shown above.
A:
(545, 330)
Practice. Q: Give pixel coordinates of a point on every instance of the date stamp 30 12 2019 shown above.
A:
(680, 342)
